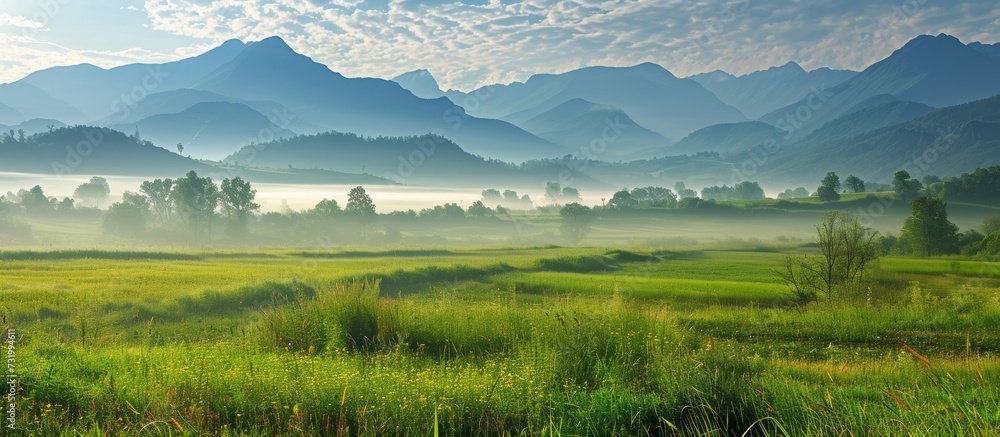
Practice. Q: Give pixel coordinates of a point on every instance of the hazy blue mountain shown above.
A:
(105, 151)
(9, 115)
(115, 153)
(764, 91)
(577, 123)
(421, 83)
(427, 159)
(946, 141)
(728, 138)
(650, 94)
(209, 130)
(986, 49)
(270, 70)
(877, 112)
(101, 93)
(34, 126)
(933, 70)
(32, 102)
(172, 102)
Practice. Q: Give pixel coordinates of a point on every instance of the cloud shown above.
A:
(19, 21)
(466, 43)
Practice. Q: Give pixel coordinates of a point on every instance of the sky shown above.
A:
(469, 43)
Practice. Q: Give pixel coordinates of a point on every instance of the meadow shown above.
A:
(494, 340)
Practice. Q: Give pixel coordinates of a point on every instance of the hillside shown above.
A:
(209, 130)
(937, 71)
(577, 124)
(761, 92)
(648, 93)
(423, 160)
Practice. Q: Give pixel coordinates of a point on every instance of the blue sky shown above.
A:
(475, 42)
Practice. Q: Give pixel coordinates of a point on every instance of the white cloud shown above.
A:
(465, 45)
(19, 21)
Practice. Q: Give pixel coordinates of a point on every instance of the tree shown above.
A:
(158, 192)
(180, 147)
(128, 217)
(479, 209)
(94, 192)
(359, 203)
(683, 192)
(195, 199)
(65, 205)
(927, 231)
(576, 220)
(34, 200)
(621, 200)
(905, 187)
(238, 204)
(829, 188)
(846, 251)
(990, 224)
(654, 196)
(570, 193)
(855, 184)
(747, 190)
(553, 192)
(326, 209)
(492, 195)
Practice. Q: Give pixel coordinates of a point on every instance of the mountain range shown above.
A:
(292, 90)
(261, 104)
(761, 92)
(937, 71)
(648, 93)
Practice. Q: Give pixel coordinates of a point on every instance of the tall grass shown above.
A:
(548, 341)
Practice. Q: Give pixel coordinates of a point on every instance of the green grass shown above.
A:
(631, 340)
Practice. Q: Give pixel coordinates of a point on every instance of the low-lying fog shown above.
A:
(273, 197)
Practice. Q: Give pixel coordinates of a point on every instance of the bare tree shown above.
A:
(846, 251)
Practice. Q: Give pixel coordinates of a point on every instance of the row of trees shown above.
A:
(192, 201)
(742, 191)
(831, 187)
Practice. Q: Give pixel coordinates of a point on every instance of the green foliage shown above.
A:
(479, 209)
(326, 209)
(683, 192)
(622, 200)
(980, 186)
(905, 187)
(798, 193)
(687, 342)
(195, 200)
(34, 201)
(128, 217)
(158, 192)
(829, 188)
(742, 191)
(92, 193)
(928, 231)
(847, 253)
(576, 220)
(237, 198)
(359, 203)
(855, 184)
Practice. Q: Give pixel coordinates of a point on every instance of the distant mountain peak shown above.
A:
(652, 68)
(791, 66)
(421, 83)
(927, 42)
(274, 42)
(233, 42)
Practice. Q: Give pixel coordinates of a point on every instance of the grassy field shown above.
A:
(494, 340)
